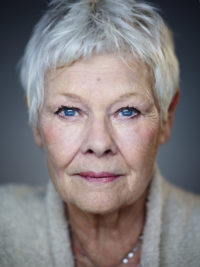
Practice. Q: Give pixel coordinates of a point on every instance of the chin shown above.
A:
(97, 204)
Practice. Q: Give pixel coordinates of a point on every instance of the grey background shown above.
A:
(22, 162)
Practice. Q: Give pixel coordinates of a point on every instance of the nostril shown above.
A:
(90, 151)
(107, 151)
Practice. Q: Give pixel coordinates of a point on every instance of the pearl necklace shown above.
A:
(131, 254)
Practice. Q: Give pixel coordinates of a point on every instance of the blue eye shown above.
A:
(70, 112)
(67, 111)
(128, 112)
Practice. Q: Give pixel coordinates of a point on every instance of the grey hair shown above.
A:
(70, 30)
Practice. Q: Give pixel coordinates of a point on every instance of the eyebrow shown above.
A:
(73, 96)
(120, 98)
(127, 95)
(77, 97)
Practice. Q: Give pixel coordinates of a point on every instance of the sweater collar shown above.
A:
(150, 254)
(58, 229)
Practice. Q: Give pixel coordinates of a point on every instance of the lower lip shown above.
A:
(100, 179)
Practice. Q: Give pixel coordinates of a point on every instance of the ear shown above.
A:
(37, 136)
(26, 101)
(167, 125)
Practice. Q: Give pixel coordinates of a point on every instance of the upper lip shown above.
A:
(97, 174)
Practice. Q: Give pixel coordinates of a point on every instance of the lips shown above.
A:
(99, 177)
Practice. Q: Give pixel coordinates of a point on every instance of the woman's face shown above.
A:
(100, 129)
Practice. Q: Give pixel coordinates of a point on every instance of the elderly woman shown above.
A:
(101, 82)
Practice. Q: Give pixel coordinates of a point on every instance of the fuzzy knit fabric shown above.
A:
(34, 230)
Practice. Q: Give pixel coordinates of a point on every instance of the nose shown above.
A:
(98, 140)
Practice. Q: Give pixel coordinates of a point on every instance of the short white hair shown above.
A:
(70, 30)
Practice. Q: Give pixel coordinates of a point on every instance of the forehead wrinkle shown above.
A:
(136, 79)
(144, 96)
(133, 71)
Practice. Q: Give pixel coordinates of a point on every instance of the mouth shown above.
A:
(100, 177)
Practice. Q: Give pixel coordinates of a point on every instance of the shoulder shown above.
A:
(178, 199)
(180, 226)
(23, 223)
(15, 199)
(21, 204)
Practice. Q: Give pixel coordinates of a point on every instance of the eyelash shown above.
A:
(63, 108)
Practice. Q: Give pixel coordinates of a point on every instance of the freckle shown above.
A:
(98, 79)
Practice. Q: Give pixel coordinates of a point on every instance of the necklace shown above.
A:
(130, 255)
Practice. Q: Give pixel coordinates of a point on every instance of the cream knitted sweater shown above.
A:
(34, 231)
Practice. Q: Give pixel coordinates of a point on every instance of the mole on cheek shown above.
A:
(98, 79)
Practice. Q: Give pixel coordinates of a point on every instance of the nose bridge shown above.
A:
(99, 139)
(100, 130)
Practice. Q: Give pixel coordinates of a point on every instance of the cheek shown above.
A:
(60, 143)
(139, 142)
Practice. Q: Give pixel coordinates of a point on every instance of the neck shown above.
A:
(109, 234)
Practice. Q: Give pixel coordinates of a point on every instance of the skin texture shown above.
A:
(100, 139)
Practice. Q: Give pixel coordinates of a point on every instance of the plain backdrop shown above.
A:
(22, 162)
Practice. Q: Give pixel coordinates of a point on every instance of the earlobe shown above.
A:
(37, 137)
(26, 101)
(165, 132)
(166, 127)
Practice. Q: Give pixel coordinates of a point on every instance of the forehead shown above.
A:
(105, 72)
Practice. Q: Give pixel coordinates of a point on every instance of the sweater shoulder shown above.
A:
(187, 201)
(21, 197)
(21, 205)
(180, 227)
(23, 226)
